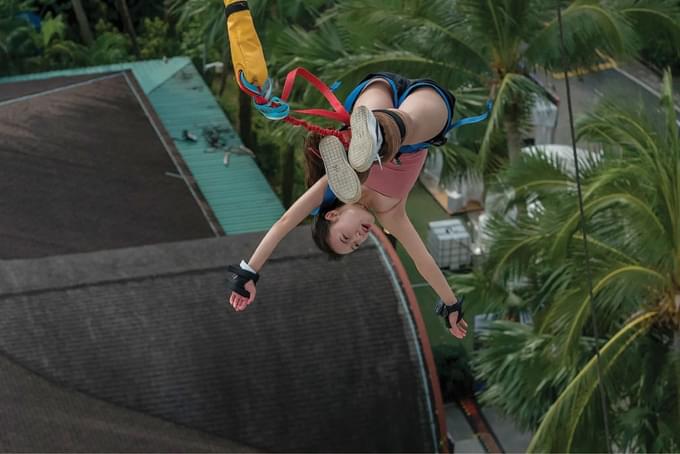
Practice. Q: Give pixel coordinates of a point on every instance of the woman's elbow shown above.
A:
(286, 222)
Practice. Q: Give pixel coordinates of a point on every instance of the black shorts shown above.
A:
(401, 88)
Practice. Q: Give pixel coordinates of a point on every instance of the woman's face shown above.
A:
(349, 227)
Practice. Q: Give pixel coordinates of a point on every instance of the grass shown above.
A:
(422, 208)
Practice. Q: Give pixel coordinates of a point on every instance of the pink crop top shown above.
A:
(395, 180)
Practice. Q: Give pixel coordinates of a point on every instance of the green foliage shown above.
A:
(110, 45)
(518, 363)
(155, 40)
(201, 27)
(453, 369)
(546, 376)
(23, 49)
(18, 39)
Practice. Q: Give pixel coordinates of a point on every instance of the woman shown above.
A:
(394, 120)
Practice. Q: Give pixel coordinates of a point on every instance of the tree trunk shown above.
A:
(124, 13)
(244, 120)
(512, 132)
(83, 23)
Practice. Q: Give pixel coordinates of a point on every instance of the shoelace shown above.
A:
(377, 151)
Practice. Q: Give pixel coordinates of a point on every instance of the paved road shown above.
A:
(632, 82)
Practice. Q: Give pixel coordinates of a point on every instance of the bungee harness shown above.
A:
(250, 70)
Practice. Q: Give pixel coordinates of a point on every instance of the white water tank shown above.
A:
(450, 244)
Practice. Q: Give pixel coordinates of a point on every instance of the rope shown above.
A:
(602, 391)
(318, 129)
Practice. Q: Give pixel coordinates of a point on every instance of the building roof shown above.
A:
(39, 416)
(326, 359)
(82, 169)
(115, 333)
(174, 98)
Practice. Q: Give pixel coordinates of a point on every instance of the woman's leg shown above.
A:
(424, 111)
(425, 115)
(376, 95)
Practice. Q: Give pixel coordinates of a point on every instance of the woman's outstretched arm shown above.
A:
(297, 213)
(399, 225)
(300, 209)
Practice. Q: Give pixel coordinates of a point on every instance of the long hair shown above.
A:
(314, 170)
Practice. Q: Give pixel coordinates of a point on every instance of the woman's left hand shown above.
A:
(459, 329)
(239, 302)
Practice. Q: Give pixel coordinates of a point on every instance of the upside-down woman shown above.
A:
(393, 122)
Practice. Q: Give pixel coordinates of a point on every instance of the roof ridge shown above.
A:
(34, 275)
(58, 89)
(137, 67)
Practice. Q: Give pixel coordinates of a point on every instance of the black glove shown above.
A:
(444, 310)
(238, 280)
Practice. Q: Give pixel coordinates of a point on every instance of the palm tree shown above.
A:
(487, 43)
(545, 375)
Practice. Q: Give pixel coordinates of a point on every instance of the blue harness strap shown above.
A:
(471, 120)
(275, 108)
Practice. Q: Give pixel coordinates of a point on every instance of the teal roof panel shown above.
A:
(238, 193)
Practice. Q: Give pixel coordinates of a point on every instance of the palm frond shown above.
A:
(591, 28)
(537, 173)
(482, 292)
(657, 18)
(557, 429)
(515, 367)
(636, 207)
(416, 25)
(609, 292)
(512, 88)
(668, 104)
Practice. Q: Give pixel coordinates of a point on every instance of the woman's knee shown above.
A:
(377, 94)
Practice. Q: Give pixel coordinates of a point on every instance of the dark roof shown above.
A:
(39, 416)
(83, 169)
(326, 359)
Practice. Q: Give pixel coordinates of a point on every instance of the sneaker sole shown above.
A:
(342, 178)
(361, 148)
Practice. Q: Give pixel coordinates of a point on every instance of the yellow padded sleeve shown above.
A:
(246, 50)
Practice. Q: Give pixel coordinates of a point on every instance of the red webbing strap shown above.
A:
(338, 113)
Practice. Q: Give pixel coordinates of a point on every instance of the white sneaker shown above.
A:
(342, 179)
(366, 139)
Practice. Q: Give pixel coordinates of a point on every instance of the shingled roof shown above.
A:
(100, 131)
(82, 169)
(327, 359)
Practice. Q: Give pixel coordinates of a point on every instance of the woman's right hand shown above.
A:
(239, 302)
